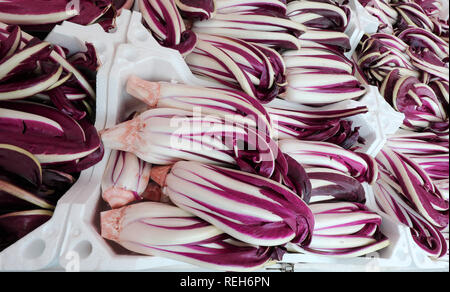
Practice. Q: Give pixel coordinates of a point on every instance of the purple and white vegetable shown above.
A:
(306, 123)
(322, 154)
(315, 88)
(30, 67)
(422, 108)
(344, 230)
(269, 7)
(415, 186)
(164, 21)
(43, 16)
(250, 208)
(427, 145)
(320, 14)
(255, 69)
(441, 88)
(429, 150)
(233, 106)
(421, 39)
(164, 136)
(15, 225)
(412, 14)
(20, 178)
(272, 31)
(197, 9)
(329, 185)
(125, 179)
(391, 200)
(47, 133)
(163, 230)
(431, 7)
(318, 57)
(318, 75)
(381, 53)
(429, 64)
(330, 38)
(28, 193)
(326, 21)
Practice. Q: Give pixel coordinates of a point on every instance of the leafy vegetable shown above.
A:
(257, 27)
(292, 120)
(166, 24)
(164, 230)
(322, 154)
(248, 207)
(43, 16)
(125, 179)
(344, 230)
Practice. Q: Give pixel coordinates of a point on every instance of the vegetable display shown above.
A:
(408, 60)
(47, 137)
(285, 150)
(344, 230)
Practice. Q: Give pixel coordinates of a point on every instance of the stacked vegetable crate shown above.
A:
(82, 241)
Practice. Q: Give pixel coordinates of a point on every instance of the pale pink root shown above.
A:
(118, 197)
(123, 136)
(159, 173)
(110, 223)
(146, 91)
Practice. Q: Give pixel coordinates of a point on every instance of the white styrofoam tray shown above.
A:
(40, 248)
